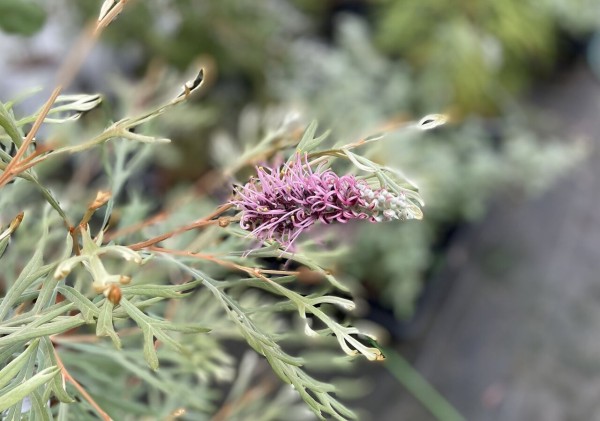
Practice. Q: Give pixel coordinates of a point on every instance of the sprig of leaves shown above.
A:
(316, 394)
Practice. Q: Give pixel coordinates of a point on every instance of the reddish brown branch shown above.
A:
(67, 377)
(208, 220)
(254, 272)
(68, 70)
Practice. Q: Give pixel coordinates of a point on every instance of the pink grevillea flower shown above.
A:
(284, 202)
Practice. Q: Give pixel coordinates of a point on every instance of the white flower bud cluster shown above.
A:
(386, 206)
(89, 257)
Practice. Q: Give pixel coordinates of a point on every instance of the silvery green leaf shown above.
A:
(120, 312)
(24, 389)
(143, 138)
(189, 88)
(4, 245)
(192, 85)
(104, 326)
(8, 123)
(88, 310)
(360, 164)
(106, 6)
(432, 121)
(149, 349)
(31, 273)
(63, 412)
(317, 395)
(57, 385)
(78, 102)
(165, 291)
(50, 314)
(12, 368)
(7, 233)
(40, 410)
(47, 193)
(69, 107)
(309, 142)
(60, 325)
(152, 328)
(181, 327)
(8, 352)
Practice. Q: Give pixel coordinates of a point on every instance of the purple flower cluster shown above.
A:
(283, 202)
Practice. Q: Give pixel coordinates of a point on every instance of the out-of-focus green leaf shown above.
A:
(21, 17)
(40, 409)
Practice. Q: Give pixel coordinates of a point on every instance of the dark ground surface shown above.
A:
(517, 336)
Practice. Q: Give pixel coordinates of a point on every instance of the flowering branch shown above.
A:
(283, 202)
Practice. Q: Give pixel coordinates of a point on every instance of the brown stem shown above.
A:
(208, 220)
(136, 227)
(9, 172)
(254, 272)
(66, 73)
(258, 391)
(67, 377)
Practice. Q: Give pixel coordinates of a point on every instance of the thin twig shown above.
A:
(258, 391)
(67, 377)
(208, 220)
(254, 272)
(9, 174)
(165, 236)
(66, 74)
(136, 227)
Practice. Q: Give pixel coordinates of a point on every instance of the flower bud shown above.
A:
(113, 293)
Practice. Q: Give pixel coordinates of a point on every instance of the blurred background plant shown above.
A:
(473, 56)
(21, 17)
(358, 67)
